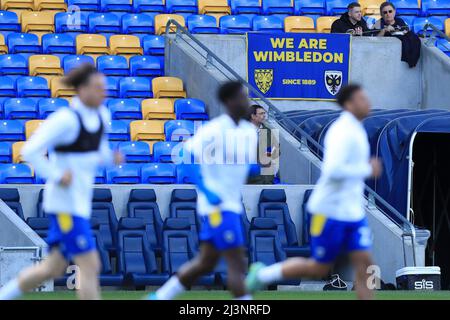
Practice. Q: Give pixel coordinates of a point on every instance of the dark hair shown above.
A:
(346, 93)
(254, 108)
(80, 76)
(353, 5)
(386, 4)
(229, 90)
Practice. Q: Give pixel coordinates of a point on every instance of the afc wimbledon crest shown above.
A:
(263, 79)
(333, 81)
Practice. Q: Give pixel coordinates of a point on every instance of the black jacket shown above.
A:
(343, 24)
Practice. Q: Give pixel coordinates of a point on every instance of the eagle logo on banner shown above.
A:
(333, 81)
(263, 79)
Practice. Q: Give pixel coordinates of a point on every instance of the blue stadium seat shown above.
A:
(39, 225)
(406, 7)
(179, 248)
(146, 66)
(268, 24)
(185, 173)
(48, 105)
(336, 7)
(245, 6)
(190, 109)
(125, 109)
(149, 6)
(137, 260)
(104, 23)
(137, 23)
(126, 173)
(435, 7)
(75, 21)
(198, 23)
(73, 61)
(103, 211)
(235, 24)
(142, 204)
(265, 246)
(100, 175)
(182, 6)
(153, 45)
(32, 87)
(135, 87)
(58, 43)
(159, 173)
(9, 21)
(113, 65)
(11, 198)
(304, 7)
(13, 64)
(278, 7)
(85, 5)
(306, 218)
(16, 108)
(183, 204)
(178, 130)
(419, 25)
(112, 87)
(162, 151)
(5, 152)
(11, 130)
(115, 5)
(16, 173)
(119, 131)
(23, 43)
(7, 87)
(443, 45)
(409, 20)
(135, 151)
(40, 213)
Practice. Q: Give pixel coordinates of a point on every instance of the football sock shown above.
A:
(170, 289)
(270, 274)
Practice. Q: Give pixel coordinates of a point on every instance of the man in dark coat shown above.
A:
(351, 21)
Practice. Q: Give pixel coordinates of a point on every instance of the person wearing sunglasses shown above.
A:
(389, 24)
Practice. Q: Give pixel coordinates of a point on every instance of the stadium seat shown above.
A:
(407, 7)
(73, 61)
(124, 109)
(48, 105)
(184, 6)
(306, 237)
(5, 152)
(92, 44)
(142, 204)
(303, 7)
(179, 130)
(370, 7)
(113, 66)
(13, 64)
(190, 109)
(268, 24)
(44, 65)
(153, 45)
(162, 151)
(76, 21)
(112, 87)
(213, 7)
(149, 6)
(147, 130)
(39, 225)
(126, 173)
(159, 173)
(419, 25)
(179, 247)
(115, 5)
(85, 5)
(38, 22)
(7, 87)
(137, 260)
(60, 90)
(161, 21)
(31, 126)
(264, 245)
(185, 173)
(245, 6)
(103, 211)
(11, 130)
(323, 24)
(278, 7)
(16, 173)
(198, 23)
(135, 151)
(58, 44)
(104, 23)
(3, 46)
(125, 45)
(235, 24)
(23, 43)
(145, 66)
(11, 198)
(19, 5)
(118, 131)
(183, 204)
(9, 21)
(435, 7)
(51, 5)
(17, 108)
(135, 87)
(157, 109)
(299, 24)
(444, 46)
(137, 23)
(168, 87)
(336, 7)
(32, 87)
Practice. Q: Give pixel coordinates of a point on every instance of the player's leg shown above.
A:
(53, 266)
(89, 270)
(361, 260)
(236, 272)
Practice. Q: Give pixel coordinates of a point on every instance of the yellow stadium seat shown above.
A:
(299, 24)
(54, 5)
(157, 109)
(161, 21)
(447, 27)
(44, 65)
(92, 44)
(125, 45)
(324, 24)
(16, 151)
(60, 90)
(38, 21)
(12, 5)
(370, 7)
(168, 87)
(3, 46)
(31, 126)
(147, 130)
(213, 6)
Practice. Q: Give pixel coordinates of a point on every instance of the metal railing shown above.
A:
(431, 37)
(211, 60)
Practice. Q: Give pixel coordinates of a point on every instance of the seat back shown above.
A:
(103, 211)
(161, 21)
(183, 204)
(12, 198)
(125, 173)
(168, 87)
(147, 130)
(299, 24)
(159, 109)
(264, 243)
(31, 126)
(159, 173)
(323, 24)
(306, 218)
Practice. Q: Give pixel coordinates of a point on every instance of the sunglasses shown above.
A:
(388, 11)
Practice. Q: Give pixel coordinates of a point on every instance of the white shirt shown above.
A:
(62, 128)
(339, 191)
(225, 151)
